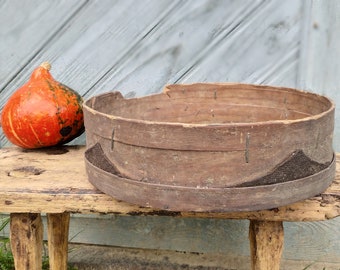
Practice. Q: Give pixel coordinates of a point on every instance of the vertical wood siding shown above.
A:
(319, 63)
(137, 47)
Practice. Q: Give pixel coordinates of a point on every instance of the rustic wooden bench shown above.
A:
(53, 181)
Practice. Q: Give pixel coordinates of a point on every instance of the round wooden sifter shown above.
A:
(211, 147)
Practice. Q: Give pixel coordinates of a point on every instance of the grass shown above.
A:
(6, 256)
(310, 266)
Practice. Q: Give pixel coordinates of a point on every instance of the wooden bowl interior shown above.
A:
(216, 104)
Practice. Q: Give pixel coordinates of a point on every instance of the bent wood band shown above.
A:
(211, 147)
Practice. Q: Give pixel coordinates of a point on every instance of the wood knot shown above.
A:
(25, 171)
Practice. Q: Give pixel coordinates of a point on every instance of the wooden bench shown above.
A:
(53, 181)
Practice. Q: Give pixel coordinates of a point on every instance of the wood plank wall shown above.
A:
(137, 47)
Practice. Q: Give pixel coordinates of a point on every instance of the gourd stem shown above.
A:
(46, 65)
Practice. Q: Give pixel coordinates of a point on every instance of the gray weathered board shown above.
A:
(137, 47)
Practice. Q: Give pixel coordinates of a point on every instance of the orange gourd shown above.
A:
(43, 112)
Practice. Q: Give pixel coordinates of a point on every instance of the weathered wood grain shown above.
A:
(26, 240)
(266, 244)
(41, 186)
(319, 240)
(186, 136)
(87, 46)
(190, 33)
(265, 54)
(92, 43)
(318, 61)
(25, 29)
(320, 31)
(261, 52)
(58, 228)
(304, 241)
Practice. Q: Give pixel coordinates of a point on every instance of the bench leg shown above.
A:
(58, 227)
(26, 235)
(266, 244)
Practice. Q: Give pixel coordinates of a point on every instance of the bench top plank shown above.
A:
(54, 181)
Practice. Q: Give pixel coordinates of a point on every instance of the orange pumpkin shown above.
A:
(43, 112)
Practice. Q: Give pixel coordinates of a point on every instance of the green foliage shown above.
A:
(4, 223)
(6, 257)
(310, 266)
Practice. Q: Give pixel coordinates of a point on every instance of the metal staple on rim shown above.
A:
(112, 140)
(246, 152)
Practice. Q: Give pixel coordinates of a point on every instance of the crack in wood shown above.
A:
(25, 170)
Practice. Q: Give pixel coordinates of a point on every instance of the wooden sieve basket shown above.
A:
(211, 147)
